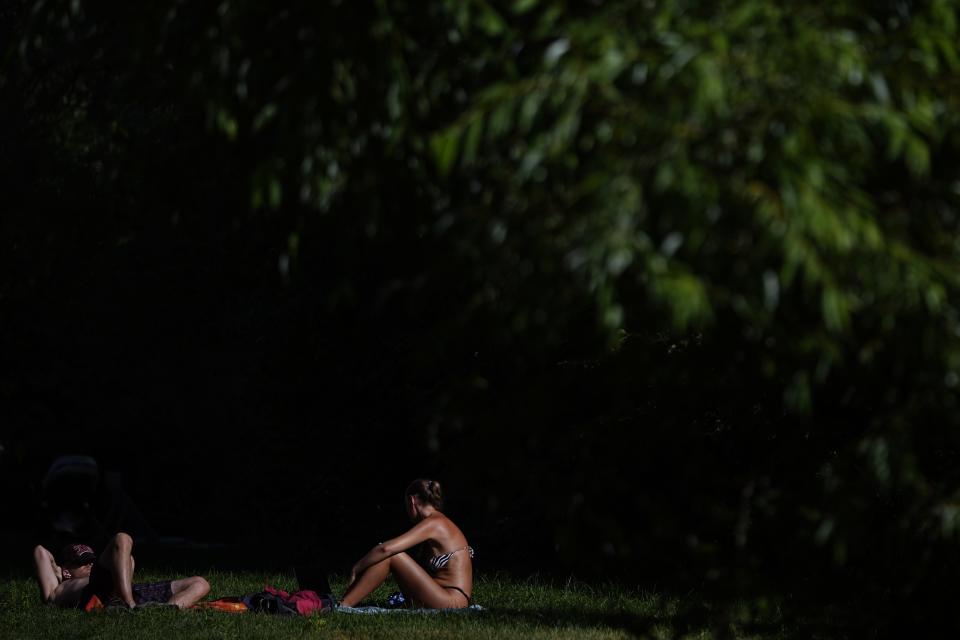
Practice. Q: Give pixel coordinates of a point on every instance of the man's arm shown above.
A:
(53, 589)
(47, 572)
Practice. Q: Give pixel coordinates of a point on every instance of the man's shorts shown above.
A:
(153, 592)
(101, 585)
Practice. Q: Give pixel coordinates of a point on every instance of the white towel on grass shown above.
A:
(379, 610)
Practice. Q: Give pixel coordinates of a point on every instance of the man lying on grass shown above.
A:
(81, 575)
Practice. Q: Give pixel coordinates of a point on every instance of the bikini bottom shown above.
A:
(463, 592)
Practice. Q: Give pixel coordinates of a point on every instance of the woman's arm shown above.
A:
(421, 532)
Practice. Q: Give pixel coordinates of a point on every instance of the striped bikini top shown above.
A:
(439, 562)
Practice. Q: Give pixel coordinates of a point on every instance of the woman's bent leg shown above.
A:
(413, 580)
(420, 586)
(369, 580)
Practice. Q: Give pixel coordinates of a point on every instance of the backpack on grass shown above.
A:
(278, 601)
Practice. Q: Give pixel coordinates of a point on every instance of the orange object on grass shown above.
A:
(93, 604)
(230, 605)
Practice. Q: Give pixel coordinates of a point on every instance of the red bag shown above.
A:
(306, 602)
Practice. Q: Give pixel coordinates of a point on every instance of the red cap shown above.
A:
(76, 555)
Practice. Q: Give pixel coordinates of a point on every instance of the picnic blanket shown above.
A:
(371, 610)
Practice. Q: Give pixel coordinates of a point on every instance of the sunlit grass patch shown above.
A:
(512, 608)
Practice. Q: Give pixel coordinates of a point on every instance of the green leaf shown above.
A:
(472, 141)
(275, 192)
(686, 297)
(490, 21)
(835, 307)
(917, 155)
(265, 115)
(227, 124)
(529, 109)
(500, 120)
(444, 146)
(523, 6)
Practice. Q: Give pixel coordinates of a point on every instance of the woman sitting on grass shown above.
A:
(446, 581)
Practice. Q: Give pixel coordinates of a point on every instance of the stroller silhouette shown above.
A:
(80, 502)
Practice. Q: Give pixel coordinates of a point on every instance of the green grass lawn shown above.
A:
(512, 609)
